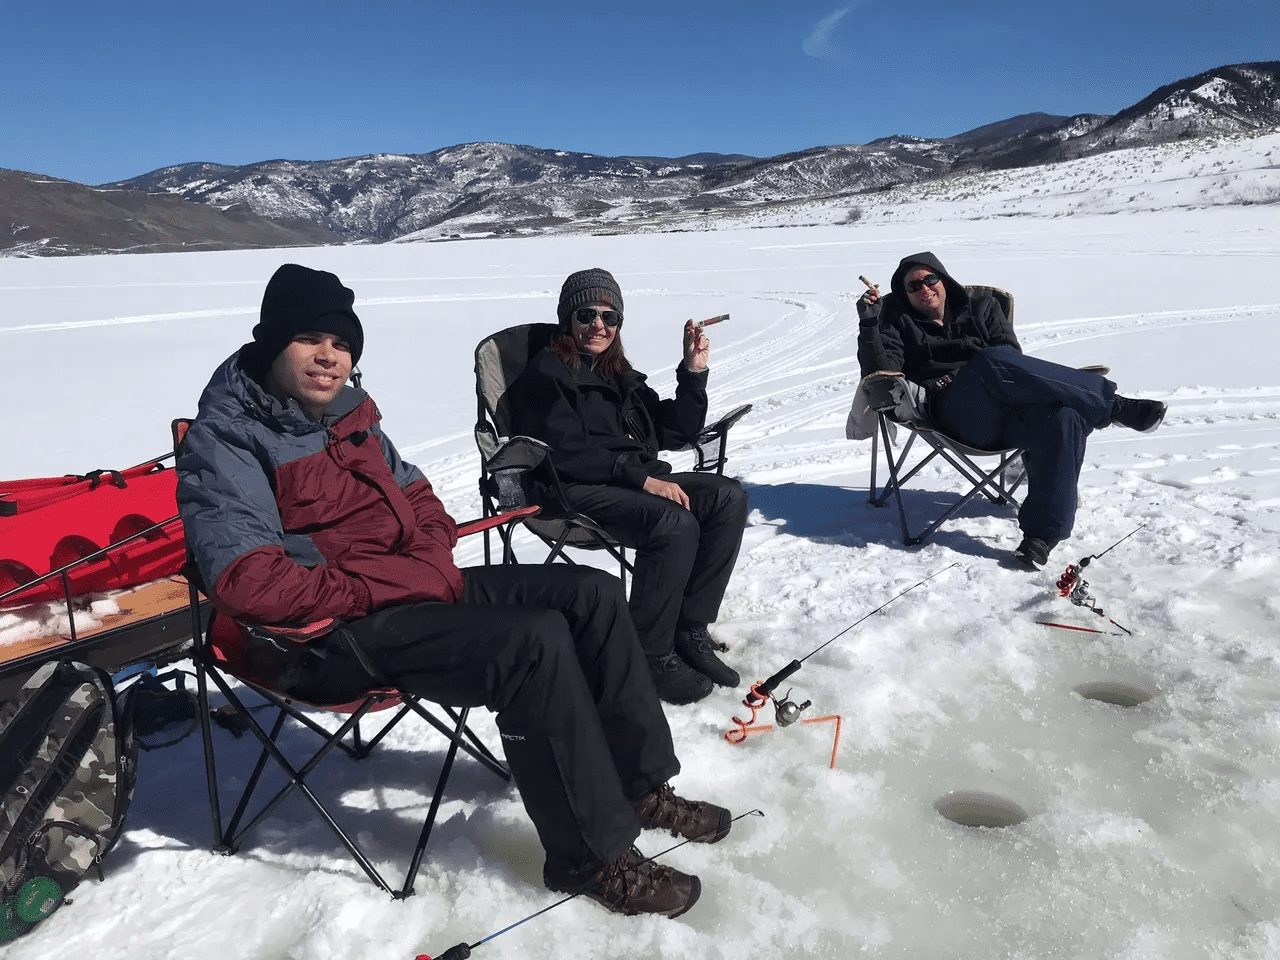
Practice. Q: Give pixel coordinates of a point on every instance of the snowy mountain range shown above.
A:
(487, 189)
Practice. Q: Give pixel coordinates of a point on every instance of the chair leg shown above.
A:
(377, 738)
(471, 744)
(227, 840)
(875, 457)
(416, 861)
(210, 767)
(893, 486)
(251, 785)
(506, 532)
(557, 549)
(987, 482)
(202, 707)
(297, 780)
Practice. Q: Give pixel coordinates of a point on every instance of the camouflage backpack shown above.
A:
(68, 764)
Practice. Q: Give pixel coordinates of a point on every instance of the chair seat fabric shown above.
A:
(297, 671)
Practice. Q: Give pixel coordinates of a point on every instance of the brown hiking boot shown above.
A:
(694, 820)
(630, 885)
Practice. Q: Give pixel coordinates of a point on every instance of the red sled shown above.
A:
(23, 496)
(107, 530)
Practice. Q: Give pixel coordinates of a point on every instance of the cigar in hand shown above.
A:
(706, 323)
(870, 285)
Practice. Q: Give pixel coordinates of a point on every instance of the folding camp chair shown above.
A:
(277, 655)
(896, 401)
(504, 459)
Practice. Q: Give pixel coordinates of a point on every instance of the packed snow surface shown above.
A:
(1150, 829)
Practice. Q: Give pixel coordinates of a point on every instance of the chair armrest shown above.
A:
(894, 396)
(502, 471)
(721, 426)
(487, 523)
(281, 636)
(517, 453)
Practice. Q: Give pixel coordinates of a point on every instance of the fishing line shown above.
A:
(787, 711)
(462, 951)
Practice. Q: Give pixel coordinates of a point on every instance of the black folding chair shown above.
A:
(506, 459)
(897, 402)
(276, 675)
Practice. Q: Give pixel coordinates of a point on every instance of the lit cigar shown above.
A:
(870, 285)
(706, 323)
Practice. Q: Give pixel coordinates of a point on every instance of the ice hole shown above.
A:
(1117, 692)
(972, 808)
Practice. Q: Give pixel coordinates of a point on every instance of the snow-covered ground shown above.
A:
(1152, 830)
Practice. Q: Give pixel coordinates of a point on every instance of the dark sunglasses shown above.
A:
(928, 280)
(587, 316)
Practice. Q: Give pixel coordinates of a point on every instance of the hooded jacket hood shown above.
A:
(957, 296)
(234, 388)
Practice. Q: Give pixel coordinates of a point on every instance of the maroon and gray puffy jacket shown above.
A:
(293, 520)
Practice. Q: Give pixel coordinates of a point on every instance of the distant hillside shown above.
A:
(1240, 98)
(48, 217)
(1225, 100)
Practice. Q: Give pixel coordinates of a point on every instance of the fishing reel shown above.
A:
(786, 711)
(1074, 587)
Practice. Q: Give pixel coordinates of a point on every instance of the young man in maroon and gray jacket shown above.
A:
(298, 508)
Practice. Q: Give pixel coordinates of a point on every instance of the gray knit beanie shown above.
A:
(588, 286)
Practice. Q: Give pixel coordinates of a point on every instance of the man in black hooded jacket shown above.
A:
(981, 390)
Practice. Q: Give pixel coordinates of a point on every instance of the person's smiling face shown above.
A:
(312, 369)
(930, 298)
(595, 336)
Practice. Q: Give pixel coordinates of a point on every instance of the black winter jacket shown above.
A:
(896, 337)
(605, 430)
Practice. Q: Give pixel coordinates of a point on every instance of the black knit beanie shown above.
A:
(302, 300)
(588, 286)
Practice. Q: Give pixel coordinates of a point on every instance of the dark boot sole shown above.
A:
(694, 894)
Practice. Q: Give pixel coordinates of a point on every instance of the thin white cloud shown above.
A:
(819, 43)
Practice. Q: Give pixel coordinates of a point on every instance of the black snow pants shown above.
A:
(552, 651)
(1004, 399)
(683, 558)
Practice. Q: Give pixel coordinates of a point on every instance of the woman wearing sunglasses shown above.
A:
(605, 427)
(981, 390)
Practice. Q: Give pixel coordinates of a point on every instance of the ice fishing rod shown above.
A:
(787, 711)
(1075, 588)
(462, 951)
(1070, 626)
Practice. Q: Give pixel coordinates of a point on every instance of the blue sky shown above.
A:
(104, 91)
